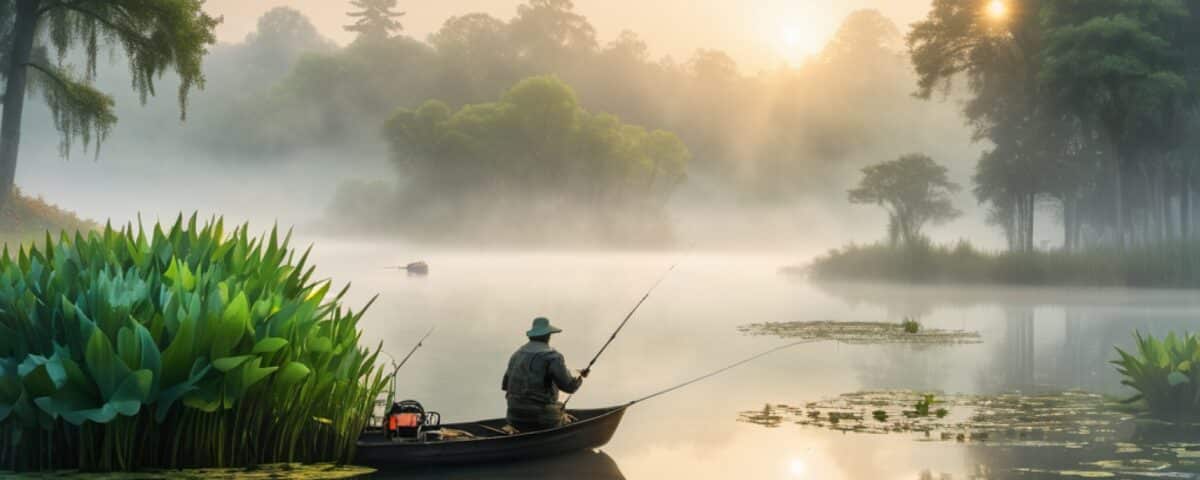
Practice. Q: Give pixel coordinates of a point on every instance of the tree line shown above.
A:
(770, 134)
(1086, 105)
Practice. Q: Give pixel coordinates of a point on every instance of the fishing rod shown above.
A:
(719, 371)
(623, 322)
(396, 366)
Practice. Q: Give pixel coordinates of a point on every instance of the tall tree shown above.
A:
(999, 53)
(915, 191)
(156, 35)
(376, 19)
(1114, 61)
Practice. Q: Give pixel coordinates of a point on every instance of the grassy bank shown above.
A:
(1167, 266)
(24, 219)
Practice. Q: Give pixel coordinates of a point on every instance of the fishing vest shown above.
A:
(528, 376)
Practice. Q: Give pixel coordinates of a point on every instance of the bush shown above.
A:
(1163, 374)
(183, 348)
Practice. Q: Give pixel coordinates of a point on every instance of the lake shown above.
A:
(481, 302)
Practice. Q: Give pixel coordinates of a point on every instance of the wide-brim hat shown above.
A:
(541, 327)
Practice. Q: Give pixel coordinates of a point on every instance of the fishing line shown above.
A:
(720, 371)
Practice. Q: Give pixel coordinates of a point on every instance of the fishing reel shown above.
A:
(408, 420)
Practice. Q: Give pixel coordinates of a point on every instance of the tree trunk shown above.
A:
(1119, 203)
(1186, 205)
(1185, 202)
(14, 95)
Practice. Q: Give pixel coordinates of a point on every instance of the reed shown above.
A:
(181, 347)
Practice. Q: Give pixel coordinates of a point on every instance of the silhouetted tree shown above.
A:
(914, 190)
(376, 19)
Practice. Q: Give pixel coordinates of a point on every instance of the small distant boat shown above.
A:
(414, 268)
(485, 441)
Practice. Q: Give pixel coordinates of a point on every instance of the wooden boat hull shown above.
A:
(593, 429)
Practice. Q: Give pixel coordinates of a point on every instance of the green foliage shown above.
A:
(535, 144)
(1170, 265)
(913, 189)
(910, 325)
(155, 35)
(1162, 373)
(183, 347)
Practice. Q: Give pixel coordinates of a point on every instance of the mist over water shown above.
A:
(1033, 340)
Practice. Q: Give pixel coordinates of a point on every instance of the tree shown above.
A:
(914, 190)
(999, 56)
(156, 35)
(376, 19)
(1114, 61)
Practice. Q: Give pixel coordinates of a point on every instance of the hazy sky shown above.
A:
(757, 32)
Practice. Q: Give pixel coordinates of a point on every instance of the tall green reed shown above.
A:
(183, 347)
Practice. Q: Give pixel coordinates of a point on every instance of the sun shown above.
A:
(797, 468)
(796, 44)
(997, 9)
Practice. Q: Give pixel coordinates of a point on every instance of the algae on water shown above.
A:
(863, 333)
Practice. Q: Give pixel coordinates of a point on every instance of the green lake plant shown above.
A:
(1164, 375)
(910, 325)
(180, 347)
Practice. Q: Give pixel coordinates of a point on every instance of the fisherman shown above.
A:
(536, 372)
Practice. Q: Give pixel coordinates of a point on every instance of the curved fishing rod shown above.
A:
(623, 322)
(718, 371)
(396, 366)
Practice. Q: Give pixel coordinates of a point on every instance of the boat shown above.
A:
(487, 441)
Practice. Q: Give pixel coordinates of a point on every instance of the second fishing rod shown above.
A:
(622, 324)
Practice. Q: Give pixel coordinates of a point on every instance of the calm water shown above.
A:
(481, 303)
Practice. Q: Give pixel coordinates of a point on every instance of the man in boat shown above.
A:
(536, 373)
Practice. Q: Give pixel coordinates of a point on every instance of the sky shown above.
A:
(758, 33)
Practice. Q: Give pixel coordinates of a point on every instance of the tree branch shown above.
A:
(50, 73)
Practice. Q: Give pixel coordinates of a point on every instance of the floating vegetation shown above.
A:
(261, 472)
(1095, 435)
(910, 325)
(1166, 375)
(863, 333)
(122, 350)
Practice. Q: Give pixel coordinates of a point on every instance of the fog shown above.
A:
(273, 138)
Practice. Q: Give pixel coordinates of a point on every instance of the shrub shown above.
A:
(1163, 374)
(184, 348)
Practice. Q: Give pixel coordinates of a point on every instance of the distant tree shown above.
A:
(283, 34)
(156, 35)
(550, 32)
(914, 190)
(376, 19)
(535, 140)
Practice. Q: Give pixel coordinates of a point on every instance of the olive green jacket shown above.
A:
(536, 372)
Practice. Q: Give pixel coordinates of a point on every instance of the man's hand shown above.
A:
(584, 373)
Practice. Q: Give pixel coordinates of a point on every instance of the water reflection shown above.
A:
(583, 465)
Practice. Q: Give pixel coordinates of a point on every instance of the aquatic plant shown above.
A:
(1165, 375)
(862, 333)
(179, 348)
(910, 325)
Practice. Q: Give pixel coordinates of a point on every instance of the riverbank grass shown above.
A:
(1174, 265)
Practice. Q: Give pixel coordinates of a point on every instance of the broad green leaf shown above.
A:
(106, 369)
(231, 327)
(1176, 378)
(269, 345)
(229, 363)
(292, 373)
